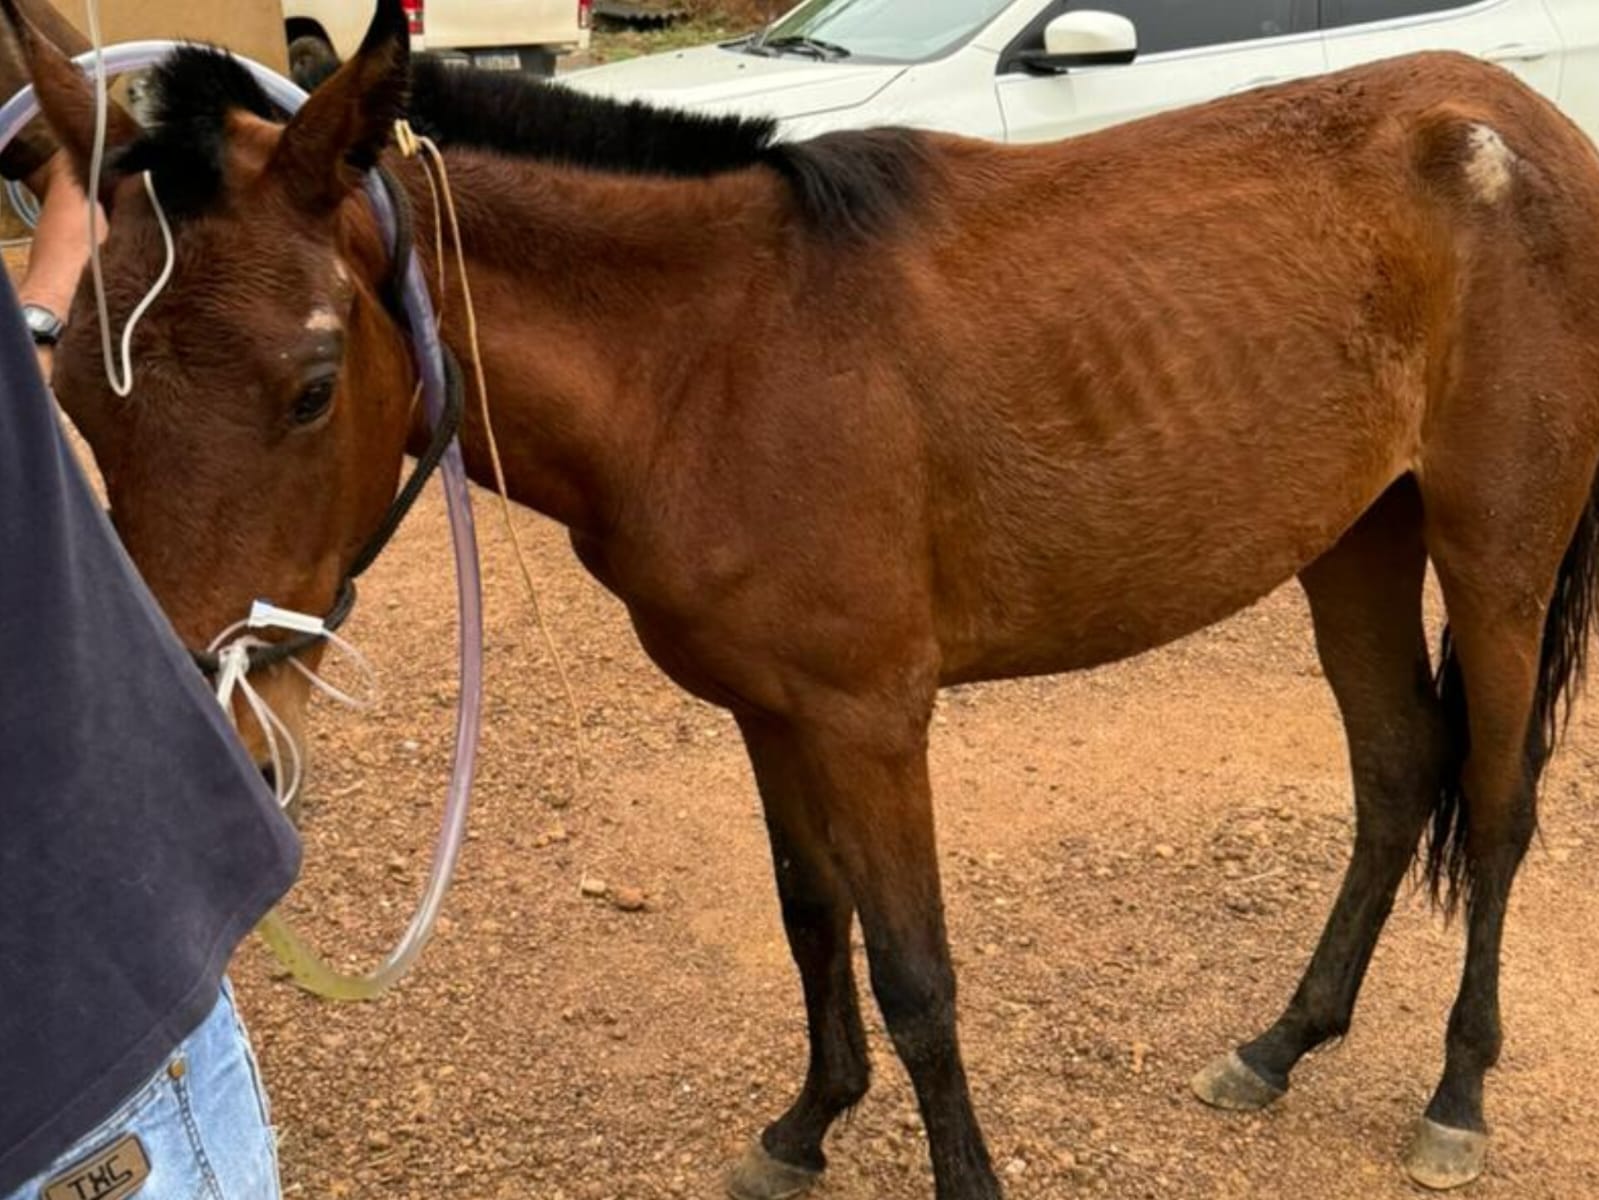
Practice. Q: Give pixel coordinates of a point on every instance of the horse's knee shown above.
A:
(917, 1000)
(813, 916)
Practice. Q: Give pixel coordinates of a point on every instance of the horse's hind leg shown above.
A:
(1365, 598)
(817, 914)
(1515, 650)
(1496, 639)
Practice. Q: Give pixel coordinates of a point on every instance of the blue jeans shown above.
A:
(198, 1130)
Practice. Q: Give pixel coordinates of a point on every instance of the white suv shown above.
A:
(525, 35)
(1031, 70)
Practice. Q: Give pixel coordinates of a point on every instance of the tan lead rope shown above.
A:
(426, 152)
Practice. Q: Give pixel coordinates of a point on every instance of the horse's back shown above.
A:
(1207, 341)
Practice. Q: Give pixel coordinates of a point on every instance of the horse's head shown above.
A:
(262, 439)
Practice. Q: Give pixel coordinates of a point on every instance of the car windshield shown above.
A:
(898, 30)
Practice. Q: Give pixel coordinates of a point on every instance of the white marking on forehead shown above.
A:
(1491, 165)
(324, 320)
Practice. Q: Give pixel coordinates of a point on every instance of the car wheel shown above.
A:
(311, 60)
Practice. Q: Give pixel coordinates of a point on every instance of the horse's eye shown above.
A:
(314, 401)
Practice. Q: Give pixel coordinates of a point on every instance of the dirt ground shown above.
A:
(1137, 863)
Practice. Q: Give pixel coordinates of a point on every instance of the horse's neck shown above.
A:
(596, 298)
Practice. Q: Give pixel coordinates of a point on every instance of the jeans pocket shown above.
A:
(235, 1118)
(263, 1102)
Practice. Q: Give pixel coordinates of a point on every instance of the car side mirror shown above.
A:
(1086, 38)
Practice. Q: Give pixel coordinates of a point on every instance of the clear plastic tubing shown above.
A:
(308, 969)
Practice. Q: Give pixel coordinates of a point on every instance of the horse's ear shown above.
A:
(57, 30)
(338, 134)
(65, 94)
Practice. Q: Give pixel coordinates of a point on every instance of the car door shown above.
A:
(1517, 34)
(1189, 51)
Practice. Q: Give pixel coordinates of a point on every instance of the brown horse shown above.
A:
(846, 420)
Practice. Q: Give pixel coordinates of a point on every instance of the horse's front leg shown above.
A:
(817, 914)
(864, 767)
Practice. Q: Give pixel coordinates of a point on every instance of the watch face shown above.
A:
(43, 324)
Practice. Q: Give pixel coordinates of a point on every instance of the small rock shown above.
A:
(1141, 1051)
(592, 887)
(1165, 851)
(1016, 1167)
(629, 899)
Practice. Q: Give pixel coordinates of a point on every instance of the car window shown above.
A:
(1182, 24)
(885, 29)
(1358, 12)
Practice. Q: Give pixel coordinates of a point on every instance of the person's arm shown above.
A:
(61, 239)
(60, 244)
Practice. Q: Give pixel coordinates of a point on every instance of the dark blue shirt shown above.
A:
(138, 844)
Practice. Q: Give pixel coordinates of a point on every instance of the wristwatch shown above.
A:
(43, 324)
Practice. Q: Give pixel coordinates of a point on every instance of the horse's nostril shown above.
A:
(270, 774)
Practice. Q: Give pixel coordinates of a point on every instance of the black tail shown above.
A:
(1560, 669)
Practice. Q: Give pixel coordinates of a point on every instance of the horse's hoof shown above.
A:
(1229, 1082)
(1441, 1157)
(759, 1176)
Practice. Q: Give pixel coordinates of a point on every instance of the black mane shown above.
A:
(847, 184)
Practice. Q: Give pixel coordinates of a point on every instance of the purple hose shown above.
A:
(308, 969)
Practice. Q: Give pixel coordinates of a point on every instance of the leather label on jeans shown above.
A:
(111, 1173)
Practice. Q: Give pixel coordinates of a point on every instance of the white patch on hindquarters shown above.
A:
(1491, 167)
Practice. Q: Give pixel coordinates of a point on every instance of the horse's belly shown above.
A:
(1128, 558)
